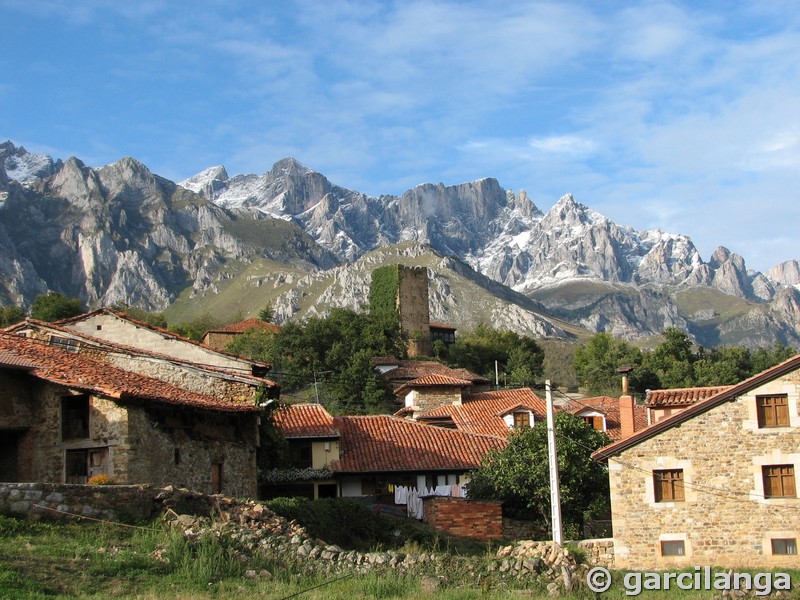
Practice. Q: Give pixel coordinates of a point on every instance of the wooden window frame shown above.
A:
(784, 546)
(673, 548)
(779, 481)
(522, 418)
(668, 485)
(594, 421)
(773, 411)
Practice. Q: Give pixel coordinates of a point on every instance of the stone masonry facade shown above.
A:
(724, 518)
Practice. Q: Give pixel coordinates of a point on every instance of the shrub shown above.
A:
(101, 479)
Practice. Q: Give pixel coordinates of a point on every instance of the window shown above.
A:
(673, 548)
(75, 417)
(594, 422)
(67, 344)
(773, 411)
(522, 419)
(668, 485)
(784, 546)
(216, 478)
(779, 481)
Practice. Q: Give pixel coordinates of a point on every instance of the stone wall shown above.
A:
(475, 519)
(724, 519)
(599, 553)
(64, 501)
(132, 443)
(412, 303)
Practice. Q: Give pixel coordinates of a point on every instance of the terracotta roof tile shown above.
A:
(699, 407)
(387, 444)
(145, 325)
(408, 370)
(610, 408)
(483, 413)
(77, 371)
(305, 421)
(681, 396)
(133, 350)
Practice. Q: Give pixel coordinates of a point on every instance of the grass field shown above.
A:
(45, 560)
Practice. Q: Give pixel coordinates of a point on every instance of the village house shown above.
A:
(65, 417)
(313, 446)
(664, 403)
(368, 456)
(220, 338)
(398, 372)
(616, 417)
(715, 483)
(496, 413)
(234, 385)
(115, 326)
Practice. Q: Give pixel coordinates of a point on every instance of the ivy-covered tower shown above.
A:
(405, 290)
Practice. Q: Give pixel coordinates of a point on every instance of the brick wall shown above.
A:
(475, 519)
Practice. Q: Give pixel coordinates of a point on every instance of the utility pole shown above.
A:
(496, 375)
(552, 456)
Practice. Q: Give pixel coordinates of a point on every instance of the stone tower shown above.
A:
(412, 304)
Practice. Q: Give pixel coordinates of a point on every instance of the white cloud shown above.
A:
(564, 144)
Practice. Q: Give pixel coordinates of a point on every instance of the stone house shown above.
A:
(220, 338)
(235, 385)
(713, 484)
(117, 327)
(65, 417)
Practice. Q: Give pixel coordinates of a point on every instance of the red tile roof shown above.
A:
(699, 407)
(305, 421)
(9, 359)
(408, 370)
(387, 444)
(247, 325)
(433, 381)
(164, 332)
(77, 371)
(111, 346)
(483, 413)
(681, 396)
(610, 408)
(442, 326)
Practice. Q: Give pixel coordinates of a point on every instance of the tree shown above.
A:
(9, 315)
(335, 352)
(519, 357)
(519, 475)
(597, 362)
(673, 360)
(153, 318)
(53, 306)
(267, 313)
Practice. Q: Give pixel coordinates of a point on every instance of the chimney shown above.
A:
(626, 403)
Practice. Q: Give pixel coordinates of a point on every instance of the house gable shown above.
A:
(714, 483)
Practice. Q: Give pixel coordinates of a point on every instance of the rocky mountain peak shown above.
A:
(24, 166)
(786, 273)
(208, 182)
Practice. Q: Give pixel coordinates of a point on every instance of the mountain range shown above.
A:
(220, 244)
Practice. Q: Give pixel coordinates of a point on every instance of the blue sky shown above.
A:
(683, 116)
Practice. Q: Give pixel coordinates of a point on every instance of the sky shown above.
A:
(681, 116)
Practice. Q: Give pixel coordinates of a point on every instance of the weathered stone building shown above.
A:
(65, 417)
(715, 483)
